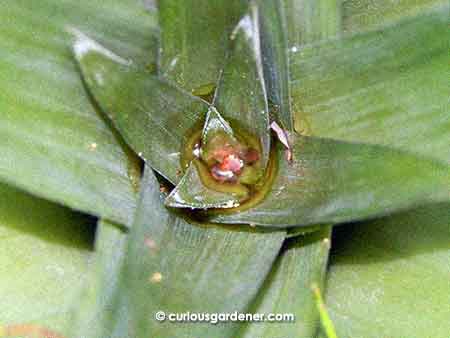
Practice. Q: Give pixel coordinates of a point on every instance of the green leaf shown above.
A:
(206, 268)
(333, 181)
(310, 21)
(98, 308)
(386, 86)
(191, 192)
(367, 15)
(154, 117)
(390, 277)
(272, 24)
(194, 39)
(215, 123)
(52, 141)
(177, 266)
(44, 254)
(327, 325)
(241, 96)
(287, 290)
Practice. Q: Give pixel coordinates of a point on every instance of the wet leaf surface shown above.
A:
(335, 181)
(191, 192)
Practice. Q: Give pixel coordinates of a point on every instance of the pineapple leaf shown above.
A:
(385, 86)
(334, 181)
(302, 262)
(272, 23)
(307, 22)
(44, 254)
(194, 40)
(241, 93)
(390, 277)
(359, 16)
(154, 117)
(53, 143)
(98, 307)
(191, 192)
(177, 266)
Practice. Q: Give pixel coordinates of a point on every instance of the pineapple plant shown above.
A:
(218, 158)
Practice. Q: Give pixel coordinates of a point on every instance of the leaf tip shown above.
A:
(84, 45)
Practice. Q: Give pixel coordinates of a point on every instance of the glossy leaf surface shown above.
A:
(385, 86)
(241, 95)
(154, 117)
(191, 192)
(194, 39)
(334, 181)
(274, 51)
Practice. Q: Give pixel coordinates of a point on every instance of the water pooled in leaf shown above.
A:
(227, 158)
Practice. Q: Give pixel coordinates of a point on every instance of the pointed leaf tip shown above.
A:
(154, 117)
(84, 45)
(241, 94)
(192, 193)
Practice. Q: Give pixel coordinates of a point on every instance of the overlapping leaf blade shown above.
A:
(191, 192)
(386, 86)
(169, 256)
(194, 39)
(53, 142)
(334, 181)
(287, 289)
(241, 95)
(97, 313)
(390, 277)
(154, 117)
(274, 52)
(177, 266)
(44, 254)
